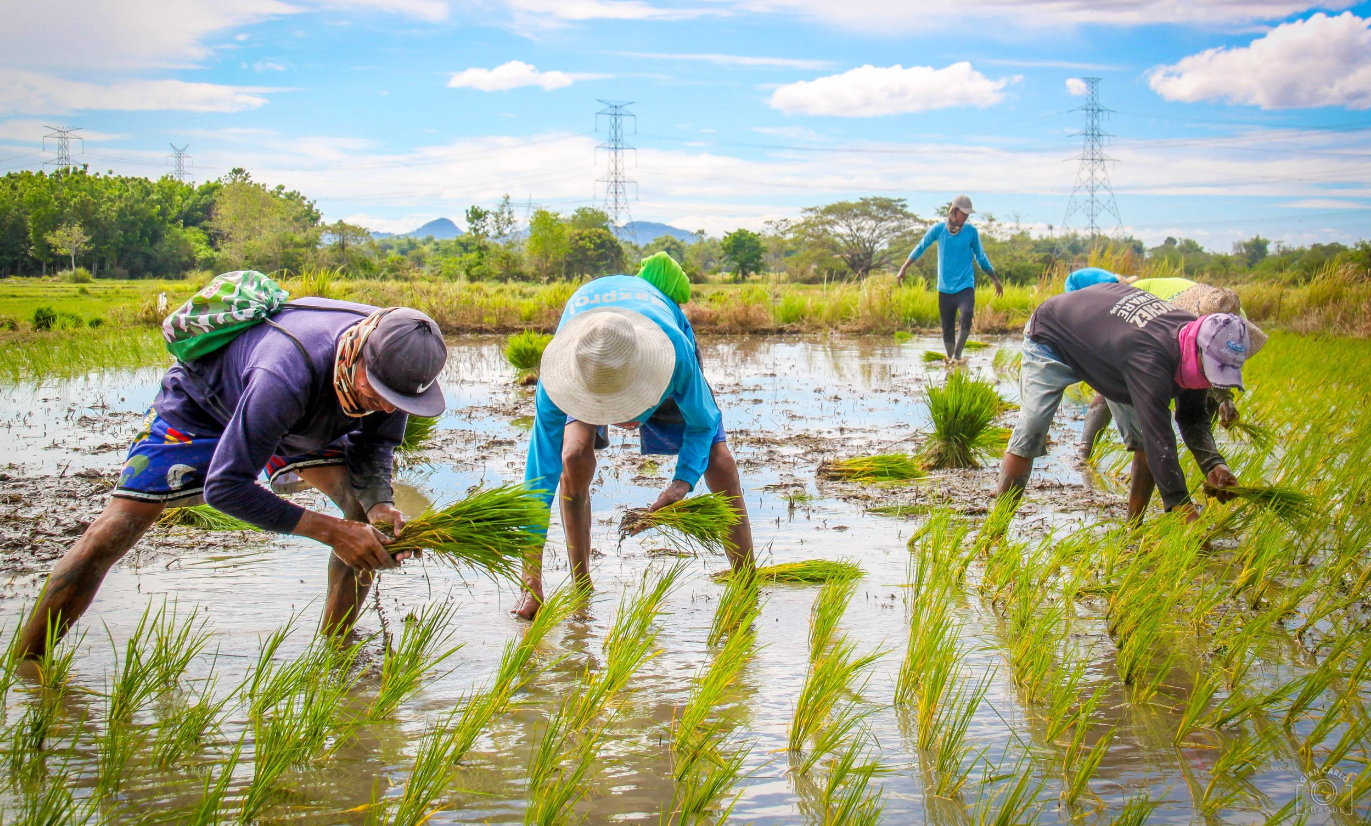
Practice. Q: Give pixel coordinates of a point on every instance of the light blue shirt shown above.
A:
(1089, 277)
(543, 470)
(955, 252)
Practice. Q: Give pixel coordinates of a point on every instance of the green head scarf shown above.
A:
(661, 271)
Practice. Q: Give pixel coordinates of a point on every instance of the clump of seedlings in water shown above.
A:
(490, 530)
(419, 433)
(963, 411)
(807, 572)
(738, 607)
(524, 352)
(202, 518)
(702, 522)
(423, 646)
(885, 467)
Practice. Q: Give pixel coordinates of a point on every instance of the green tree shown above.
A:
(863, 234)
(1252, 251)
(272, 229)
(669, 244)
(548, 244)
(744, 249)
(593, 252)
(589, 218)
(69, 239)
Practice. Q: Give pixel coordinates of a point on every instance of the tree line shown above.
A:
(116, 226)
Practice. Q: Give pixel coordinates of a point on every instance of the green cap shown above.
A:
(661, 271)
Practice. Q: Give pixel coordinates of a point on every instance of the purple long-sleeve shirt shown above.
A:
(259, 396)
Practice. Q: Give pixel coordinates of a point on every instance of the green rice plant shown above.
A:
(996, 525)
(1288, 504)
(904, 510)
(9, 658)
(1007, 802)
(821, 718)
(702, 522)
(1037, 626)
(70, 353)
(51, 803)
(1007, 361)
(428, 777)
(1063, 708)
(884, 467)
(962, 411)
(846, 796)
(827, 612)
(211, 809)
(807, 572)
(1262, 438)
(901, 336)
(934, 357)
(939, 543)
(419, 434)
(1202, 693)
(699, 798)
(931, 626)
(188, 726)
(490, 530)
(561, 760)
(973, 345)
(423, 647)
(1229, 777)
(951, 724)
(738, 607)
(202, 518)
(524, 352)
(1137, 811)
(1082, 764)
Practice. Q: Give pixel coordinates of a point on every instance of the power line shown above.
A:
(1092, 194)
(617, 183)
(178, 160)
(63, 137)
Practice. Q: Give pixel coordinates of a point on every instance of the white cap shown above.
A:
(608, 365)
(963, 203)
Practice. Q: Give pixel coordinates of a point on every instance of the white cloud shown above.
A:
(884, 17)
(1322, 61)
(32, 131)
(735, 60)
(31, 92)
(543, 13)
(511, 75)
(1326, 203)
(869, 91)
(1076, 87)
(395, 226)
(430, 10)
(267, 66)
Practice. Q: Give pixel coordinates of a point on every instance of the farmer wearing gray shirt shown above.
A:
(1140, 353)
(320, 396)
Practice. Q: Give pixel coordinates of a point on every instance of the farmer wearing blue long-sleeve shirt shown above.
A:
(624, 354)
(958, 244)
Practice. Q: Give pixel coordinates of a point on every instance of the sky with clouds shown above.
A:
(1229, 118)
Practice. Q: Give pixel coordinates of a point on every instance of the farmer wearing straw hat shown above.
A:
(318, 395)
(958, 243)
(1141, 353)
(1196, 298)
(624, 354)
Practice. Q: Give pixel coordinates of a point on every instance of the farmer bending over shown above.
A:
(958, 242)
(1140, 353)
(624, 354)
(1197, 299)
(319, 394)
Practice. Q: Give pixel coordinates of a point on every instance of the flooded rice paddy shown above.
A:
(788, 404)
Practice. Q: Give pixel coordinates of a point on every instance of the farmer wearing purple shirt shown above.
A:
(319, 395)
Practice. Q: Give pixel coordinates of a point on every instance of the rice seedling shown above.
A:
(1262, 438)
(1036, 629)
(211, 809)
(931, 626)
(1007, 801)
(821, 719)
(884, 467)
(973, 345)
(419, 433)
(524, 352)
(1062, 709)
(934, 357)
(188, 726)
(1007, 361)
(423, 647)
(738, 608)
(700, 522)
(846, 797)
(962, 411)
(9, 658)
(826, 613)
(71, 353)
(1137, 811)
(1288, 504)
(202, 518)
(1081, 764)
(490, 530)
(1229, 777)
(938, 543)
(1202, 692)
(996, 525)
(952, 723)
(807, 572)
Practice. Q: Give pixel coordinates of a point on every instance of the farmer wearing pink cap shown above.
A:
(1140, 353)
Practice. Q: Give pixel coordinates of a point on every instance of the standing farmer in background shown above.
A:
(624, 354)
(958, 242)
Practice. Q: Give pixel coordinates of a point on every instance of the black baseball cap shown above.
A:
(403, 357)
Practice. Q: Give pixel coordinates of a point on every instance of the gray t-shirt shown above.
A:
(1123, 342)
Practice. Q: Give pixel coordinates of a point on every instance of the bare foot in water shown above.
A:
(528, 606)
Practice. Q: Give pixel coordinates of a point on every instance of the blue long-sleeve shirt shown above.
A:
(955, 252)
(543, 470)
(259, 396)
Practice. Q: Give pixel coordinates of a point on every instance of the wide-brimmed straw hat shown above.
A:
(1205, 299)
(608, 365)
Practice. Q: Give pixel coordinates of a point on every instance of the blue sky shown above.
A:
(1231, 118)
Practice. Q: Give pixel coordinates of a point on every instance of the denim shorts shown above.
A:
(1042, 380)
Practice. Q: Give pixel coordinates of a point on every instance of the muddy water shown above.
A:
(788, 403)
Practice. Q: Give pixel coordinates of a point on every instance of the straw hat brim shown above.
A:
(651, 370)
(1204, 299)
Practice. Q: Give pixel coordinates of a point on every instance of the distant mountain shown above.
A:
(440, 228)
(642, 232)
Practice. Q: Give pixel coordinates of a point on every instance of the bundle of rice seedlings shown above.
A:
(699, 521)
(962, 411)
(884, 467)
(419, 432)
(524, 352)
(934, 357)
(975, 345)
(1007, 361)
(738, 608)
(202, 517)
(807, 572)
(490, 530)
(1260, 437)
(1285, 503)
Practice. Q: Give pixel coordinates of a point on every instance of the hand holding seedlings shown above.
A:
(359, 545)
(674, 492)
(386, 516)
(1217, 480)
